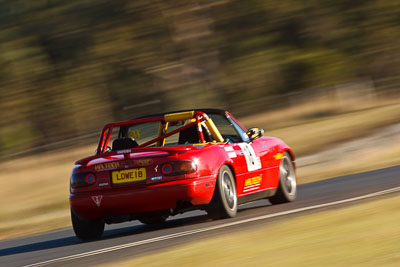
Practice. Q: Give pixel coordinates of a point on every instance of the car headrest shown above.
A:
(124, 143)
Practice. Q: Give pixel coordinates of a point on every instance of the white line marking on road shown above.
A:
(210, 228)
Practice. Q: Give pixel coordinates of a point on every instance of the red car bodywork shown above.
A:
(253, 162)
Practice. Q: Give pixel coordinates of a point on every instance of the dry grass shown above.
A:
(380, 150)
(34, 190)
(350, 236)
(313, 135)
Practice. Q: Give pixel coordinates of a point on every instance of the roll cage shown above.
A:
(197, 119)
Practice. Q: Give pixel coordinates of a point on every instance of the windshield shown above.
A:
(227, 128)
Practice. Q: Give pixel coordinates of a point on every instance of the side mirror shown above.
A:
(255, 133)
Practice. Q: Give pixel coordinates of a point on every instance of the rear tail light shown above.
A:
(167, 169)
(178, 167)
(82, 179)
(90, 178)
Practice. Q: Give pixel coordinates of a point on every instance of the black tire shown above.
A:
(287, 189)
(87, 229)
(153, 220)
(224, 202)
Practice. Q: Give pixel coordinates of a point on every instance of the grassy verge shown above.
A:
(308, 136)
(34, 190)
(366, 234)
(366, 159)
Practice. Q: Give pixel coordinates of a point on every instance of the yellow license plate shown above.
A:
(128, 176)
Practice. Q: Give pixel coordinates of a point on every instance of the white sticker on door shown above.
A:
(253, 162)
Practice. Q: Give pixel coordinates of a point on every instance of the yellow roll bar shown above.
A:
(188, 115)
(179, 116)
(214, 131)
(161, 131)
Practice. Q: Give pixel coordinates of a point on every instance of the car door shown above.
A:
(254, 152)
(264, 148)
(245, 154)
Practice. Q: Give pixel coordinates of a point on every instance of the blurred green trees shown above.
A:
(68, 67)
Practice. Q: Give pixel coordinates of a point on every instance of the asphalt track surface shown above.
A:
(127, 240)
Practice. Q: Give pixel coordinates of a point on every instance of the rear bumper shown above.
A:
(135, 200)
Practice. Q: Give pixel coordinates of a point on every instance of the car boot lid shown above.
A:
(134, 153)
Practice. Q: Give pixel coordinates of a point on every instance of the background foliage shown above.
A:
(68, 67)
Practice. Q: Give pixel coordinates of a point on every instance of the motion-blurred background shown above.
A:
(321, 75)
(68, 67)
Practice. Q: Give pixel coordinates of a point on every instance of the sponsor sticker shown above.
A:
(252, 183)
(106, 166)
(97, 200)
(228, 148)
(278, 156)
(144, 162)
(232, 154)
(124, 151)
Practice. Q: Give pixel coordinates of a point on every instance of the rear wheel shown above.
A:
(224, 202)
(287, 189)
(87, 229)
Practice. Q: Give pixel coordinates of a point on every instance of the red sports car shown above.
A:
(150, 168)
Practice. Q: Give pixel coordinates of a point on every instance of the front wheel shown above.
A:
(287, 189)
(87, 229)
(224, 202)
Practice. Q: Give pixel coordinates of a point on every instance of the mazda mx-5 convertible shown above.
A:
(157, 166)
